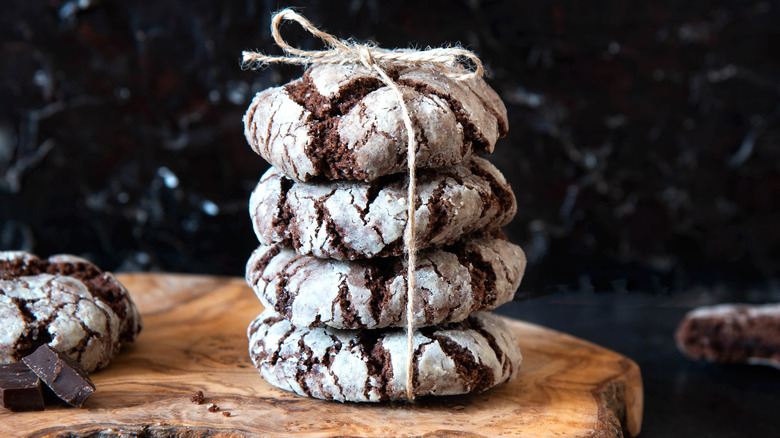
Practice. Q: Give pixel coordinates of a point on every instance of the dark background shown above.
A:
(643, 145)
(644, 151)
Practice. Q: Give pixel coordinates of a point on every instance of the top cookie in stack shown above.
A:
(331, 215)
(342, 122)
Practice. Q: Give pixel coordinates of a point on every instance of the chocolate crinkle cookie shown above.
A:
(342, 122)
(738, 333)
(370, 365)
(452, 282)
(66, 302)
(348, 220)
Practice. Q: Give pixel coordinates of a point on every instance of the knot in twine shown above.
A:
(451, 60)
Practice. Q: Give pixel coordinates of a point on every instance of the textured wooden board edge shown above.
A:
(620, 396)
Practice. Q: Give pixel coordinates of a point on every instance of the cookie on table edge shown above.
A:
(470, 356)
(348, 220)
(66, 302)
(737, 333)
(472, 275)
(341, 121)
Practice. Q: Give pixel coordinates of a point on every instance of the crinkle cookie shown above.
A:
(732, 333)
(453, 281)
(66, 302)
(348, 220)
(341, 121)
(371, 365)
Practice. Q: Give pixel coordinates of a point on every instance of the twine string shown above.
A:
(455, 62)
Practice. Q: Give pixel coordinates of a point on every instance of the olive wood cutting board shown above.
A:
(194, 339)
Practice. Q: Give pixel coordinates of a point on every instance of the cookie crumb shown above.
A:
(212, 408)
(226, 413)
(197, 398)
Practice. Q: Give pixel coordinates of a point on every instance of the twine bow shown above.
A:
(453, 61)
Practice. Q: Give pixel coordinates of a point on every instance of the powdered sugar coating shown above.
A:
(735, 311)
(62, 309)
(732, 333)
(341, 121)
(370, 366)
(348, 220)
(452, 282)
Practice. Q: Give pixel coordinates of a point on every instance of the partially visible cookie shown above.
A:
(348, 220)
(66, 302)
(371, 365)
(452, 282)
(341, 121)
(732, 333)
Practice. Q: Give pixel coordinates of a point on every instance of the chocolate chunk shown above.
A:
(62, 374)
(20, 388)
(212, 408)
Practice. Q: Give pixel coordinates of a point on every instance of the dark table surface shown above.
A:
(682, 397)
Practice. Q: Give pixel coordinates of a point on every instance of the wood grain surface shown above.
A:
(194, 339)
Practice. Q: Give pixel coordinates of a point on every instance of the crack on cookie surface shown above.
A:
(99, 284)
(284, 296)
(441, 211)
(331, 157)
(348, 311)
(503, 125)
(473, 141)
(20, 266)
(506, 365)
(500, 191)
(381, 367)
(35, 333)
(377, 275)
(483, 275)
(477, 376)
(281, 220)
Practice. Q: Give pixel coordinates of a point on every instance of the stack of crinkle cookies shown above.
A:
(331, 214)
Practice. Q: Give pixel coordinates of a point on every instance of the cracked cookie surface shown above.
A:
(452, 282)
(740, 333)
(342, 122)
(370, 365)
(66, 302)
(348, 220)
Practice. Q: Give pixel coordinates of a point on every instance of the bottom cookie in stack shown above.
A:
(470, 356)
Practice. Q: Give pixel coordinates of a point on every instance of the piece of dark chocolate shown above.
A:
(20, 388)
(62, 374)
